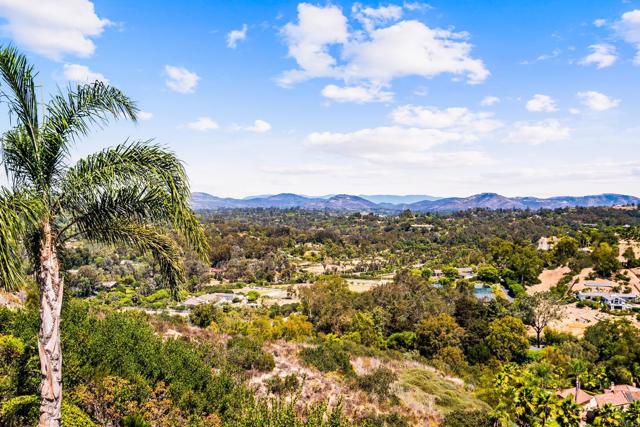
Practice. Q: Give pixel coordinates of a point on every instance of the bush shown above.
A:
(460, 418)
(405, 340)
(282, 385)
(489, 274)
(245, 353)
(204, 315)
(553, 337)
(24, 411)
(252, 296)
(378, 383)
(326, 358)
(437, 332)
(384, 420)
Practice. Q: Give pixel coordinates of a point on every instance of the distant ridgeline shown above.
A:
(345, 202)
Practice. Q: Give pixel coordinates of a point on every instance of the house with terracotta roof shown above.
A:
(617, 395)
(580, 397)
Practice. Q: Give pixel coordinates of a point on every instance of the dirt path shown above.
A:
(548, 279)
(624, 244)
(576, 320)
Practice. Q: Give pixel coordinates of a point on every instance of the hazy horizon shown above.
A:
(326, 195)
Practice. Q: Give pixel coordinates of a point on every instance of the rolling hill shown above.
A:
(346, 202)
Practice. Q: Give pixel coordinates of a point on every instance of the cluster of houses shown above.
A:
(620, 396)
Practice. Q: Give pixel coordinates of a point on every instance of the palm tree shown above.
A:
(127, 194)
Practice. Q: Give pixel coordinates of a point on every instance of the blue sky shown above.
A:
(443, 98)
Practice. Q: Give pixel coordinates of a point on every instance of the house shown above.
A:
(578, 395)
(108, 284)
(427, 227)
(617, 395)
(613, 300)
(463, 272)
(466, 272)
(547, 243)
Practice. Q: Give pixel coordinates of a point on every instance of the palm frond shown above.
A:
(132, 203)
(74, 114)
(144, 169)
(145, 238)
(21, 162)
(18, 213)
(88, 105)
(18, 76)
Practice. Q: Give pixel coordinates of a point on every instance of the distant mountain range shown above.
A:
(345, 202)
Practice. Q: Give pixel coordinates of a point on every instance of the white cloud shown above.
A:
(603, 55)
(628, 27)
(376, 57)
(416, 6)
(600, 22)
(371, 17)
(145, 115)
(180, 80)
(541, 104)
(259, 126)
(53, 28)
(397, 145)
(81, 74)
(468, 124)
(535, 133)
(357, 94)
(202, 124)
(574, 110)
(489, 101)
(309, 41)
(411, 48)
(597, 101)
(410, 141)
(235, 36)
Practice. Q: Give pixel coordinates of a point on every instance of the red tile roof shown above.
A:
(582, 397)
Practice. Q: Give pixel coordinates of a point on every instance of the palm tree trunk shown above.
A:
(51, 284)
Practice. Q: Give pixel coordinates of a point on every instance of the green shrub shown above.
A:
(245, 353)
(252, 296)
(24, 411)
(327, 357)
(405, 340)
(384, 420)
(204, 314)
(279, 412)
(135, 420)
(378, 383)
(461, 418)
(283, 385)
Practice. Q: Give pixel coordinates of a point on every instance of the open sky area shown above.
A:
(447, 98)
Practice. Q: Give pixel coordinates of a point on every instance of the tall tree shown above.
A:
(539, 310)
(127, 194)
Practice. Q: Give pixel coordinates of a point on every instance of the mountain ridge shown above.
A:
(346, 202)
